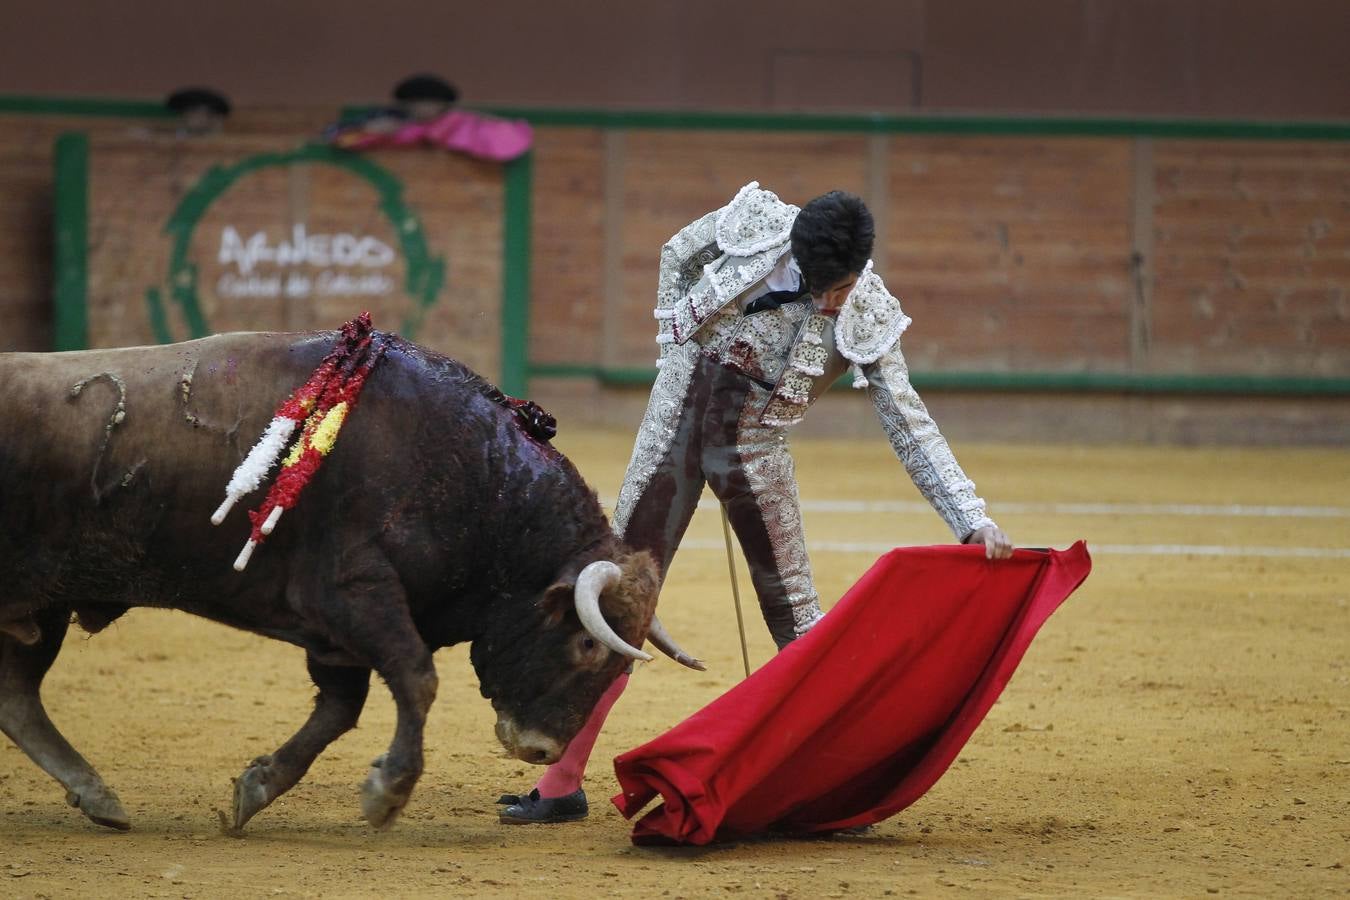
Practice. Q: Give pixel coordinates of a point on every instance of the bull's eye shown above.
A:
(588, 643)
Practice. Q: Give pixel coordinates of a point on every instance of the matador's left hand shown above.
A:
(997, 545)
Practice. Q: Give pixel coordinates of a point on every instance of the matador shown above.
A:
(761, 307)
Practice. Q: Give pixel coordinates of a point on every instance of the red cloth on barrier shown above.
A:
(855, 721)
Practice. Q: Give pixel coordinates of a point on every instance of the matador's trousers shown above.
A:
(702, 427)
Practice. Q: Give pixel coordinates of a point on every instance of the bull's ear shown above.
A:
(556, 602)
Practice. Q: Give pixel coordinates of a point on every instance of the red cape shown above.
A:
(855, 721)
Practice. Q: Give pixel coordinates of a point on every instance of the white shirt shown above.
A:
(786, 276)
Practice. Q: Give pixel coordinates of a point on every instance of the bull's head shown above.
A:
(579, 634)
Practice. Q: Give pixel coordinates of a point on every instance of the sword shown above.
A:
(735, 588)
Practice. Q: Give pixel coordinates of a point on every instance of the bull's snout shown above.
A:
(528, 745)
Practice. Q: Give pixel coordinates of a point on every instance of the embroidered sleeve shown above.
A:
(682, 260)
(921, 447)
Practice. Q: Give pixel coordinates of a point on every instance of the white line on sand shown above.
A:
(877, 548)
(1085, 509)
(1215, 510)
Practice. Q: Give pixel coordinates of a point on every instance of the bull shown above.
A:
(436, 519)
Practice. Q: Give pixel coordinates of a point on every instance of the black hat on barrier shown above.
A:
(184, 99)
(425, 87)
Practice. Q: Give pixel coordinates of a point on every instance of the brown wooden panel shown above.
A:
(567, 265)
(1253, 257)
(26, 201)
(26, 206)
(673, 177)
(1011, 253)
(354, 257)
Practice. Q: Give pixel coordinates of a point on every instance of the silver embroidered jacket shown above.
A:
(714, 261)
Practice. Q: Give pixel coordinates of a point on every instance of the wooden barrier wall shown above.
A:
(1252, 258)
(1012, 254)
(257, 233)
(27, 196)
(1062, 255)
(26, 214)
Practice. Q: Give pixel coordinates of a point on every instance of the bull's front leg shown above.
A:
(342, 695)
(362, 609)
(24, 720)
(412, 680)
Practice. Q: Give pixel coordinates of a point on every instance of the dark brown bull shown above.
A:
(435, 520)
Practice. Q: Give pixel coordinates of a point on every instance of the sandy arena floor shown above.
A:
(1180, 728)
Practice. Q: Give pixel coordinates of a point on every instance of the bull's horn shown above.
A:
(662, 640)
(593, 579)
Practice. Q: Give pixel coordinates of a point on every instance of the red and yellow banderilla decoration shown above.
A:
(317, 409)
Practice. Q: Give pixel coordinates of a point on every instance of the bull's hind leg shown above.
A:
(24, 720)
(342, 694)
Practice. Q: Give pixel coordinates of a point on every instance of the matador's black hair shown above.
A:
(832, 238)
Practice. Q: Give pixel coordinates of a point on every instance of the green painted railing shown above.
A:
(878, 123)
(1025, 382)
(423, 280)
(83, 106)
(890, 123)
(71, 245)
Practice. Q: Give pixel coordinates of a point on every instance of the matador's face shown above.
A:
(831, 299)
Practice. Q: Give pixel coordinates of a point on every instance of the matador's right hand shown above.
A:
(997, 544)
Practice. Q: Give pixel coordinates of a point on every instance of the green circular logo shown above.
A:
(423, 278)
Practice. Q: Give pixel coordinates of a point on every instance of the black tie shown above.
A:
(775, 299)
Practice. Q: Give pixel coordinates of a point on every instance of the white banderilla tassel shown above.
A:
(256, 465)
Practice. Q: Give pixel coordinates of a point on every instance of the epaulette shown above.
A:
(870, 321)
(750, 234)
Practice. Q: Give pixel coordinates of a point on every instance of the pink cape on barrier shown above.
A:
(858, 719)
(462, 130)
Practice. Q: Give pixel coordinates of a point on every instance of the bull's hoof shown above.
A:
(250, 795)
(379, 804)
(102, 807)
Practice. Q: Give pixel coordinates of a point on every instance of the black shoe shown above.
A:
(510, 799)
(535, 810)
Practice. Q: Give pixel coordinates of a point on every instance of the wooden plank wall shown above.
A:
(567, 246)
(26, 201)
(1012, 254)
(136, 187)
(26, 210)
(669, 178)
(1252, 258)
